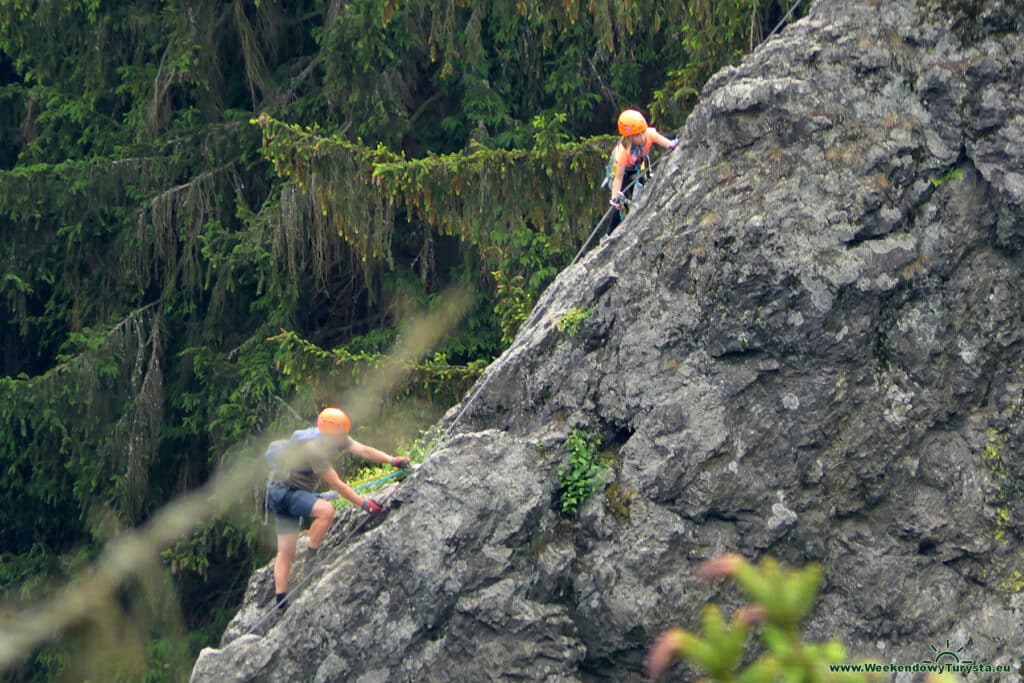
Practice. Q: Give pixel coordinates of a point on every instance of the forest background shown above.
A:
(218, 214)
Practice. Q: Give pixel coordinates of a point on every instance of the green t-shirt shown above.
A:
(301, 460)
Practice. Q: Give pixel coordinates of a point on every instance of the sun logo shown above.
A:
(949, 652)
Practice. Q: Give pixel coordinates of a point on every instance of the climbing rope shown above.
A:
(608, 213)
(397, 474)
(469, 402)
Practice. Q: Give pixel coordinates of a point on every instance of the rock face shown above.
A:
(808, 344)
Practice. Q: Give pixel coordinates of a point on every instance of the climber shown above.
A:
(298, 466)
(630, 163)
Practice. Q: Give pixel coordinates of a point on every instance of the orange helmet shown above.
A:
(333, 421)
(631, 122)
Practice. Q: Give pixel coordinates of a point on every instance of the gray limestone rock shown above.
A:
(806, 344)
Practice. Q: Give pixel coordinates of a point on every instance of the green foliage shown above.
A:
(170, 659)
(448, 74)
(780, 600)
(579, 478)
(65, 413)
(953, 173)
(572, 319)
(483, 197)
(549, 132)
(514, 304)
(478, 198)
(306, 364)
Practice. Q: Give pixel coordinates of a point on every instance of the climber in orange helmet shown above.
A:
(298, 466)
(629, 157)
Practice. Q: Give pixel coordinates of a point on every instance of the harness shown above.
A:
(638, 161)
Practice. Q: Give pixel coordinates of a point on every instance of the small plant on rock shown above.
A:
(573, 318)
(578, 478)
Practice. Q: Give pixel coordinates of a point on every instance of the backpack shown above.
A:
(276, 449)
(281, 446)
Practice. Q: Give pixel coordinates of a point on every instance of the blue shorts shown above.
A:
(290, 504)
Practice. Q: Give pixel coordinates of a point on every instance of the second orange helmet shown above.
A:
(631, 122)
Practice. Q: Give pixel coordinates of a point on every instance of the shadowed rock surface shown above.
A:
(808, 344)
